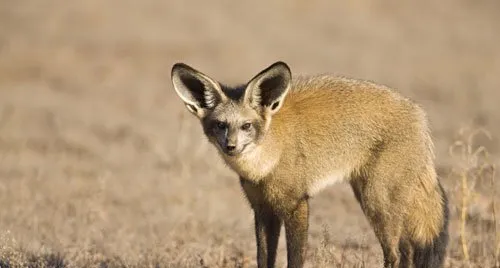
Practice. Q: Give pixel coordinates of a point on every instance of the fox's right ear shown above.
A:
(199, 92)
(267, 90)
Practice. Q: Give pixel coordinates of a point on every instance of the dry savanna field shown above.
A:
(102, 166)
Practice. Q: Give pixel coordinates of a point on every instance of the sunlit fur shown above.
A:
(329, 129)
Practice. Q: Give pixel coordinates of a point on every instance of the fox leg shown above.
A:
(267, 224)
(296, 226)
(267, 232)
(387, 225)
(406, 249)
(388, 229)
(390, 249)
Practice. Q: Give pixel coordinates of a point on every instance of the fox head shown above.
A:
(233, 119)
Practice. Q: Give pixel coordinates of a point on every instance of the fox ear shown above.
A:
(268, 89)
(199, 92)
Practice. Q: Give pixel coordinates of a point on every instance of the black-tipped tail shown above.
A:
(433, 255)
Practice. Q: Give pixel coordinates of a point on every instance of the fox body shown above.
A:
(288, 138)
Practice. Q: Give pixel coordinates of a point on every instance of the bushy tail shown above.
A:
(433, 255)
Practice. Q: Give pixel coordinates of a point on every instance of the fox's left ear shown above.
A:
(268, 89)
(199, 92)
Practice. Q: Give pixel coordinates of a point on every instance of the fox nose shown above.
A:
(230, 148)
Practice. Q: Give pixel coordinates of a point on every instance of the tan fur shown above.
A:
(332, 129)
(338, 128)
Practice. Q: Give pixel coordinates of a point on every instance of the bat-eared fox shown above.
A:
(290, 137)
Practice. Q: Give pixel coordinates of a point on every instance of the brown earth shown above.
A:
(101, 166)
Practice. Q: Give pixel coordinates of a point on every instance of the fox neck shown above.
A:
(259, 160)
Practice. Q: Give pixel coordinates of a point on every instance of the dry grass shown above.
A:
(101, 166)
(475, 200)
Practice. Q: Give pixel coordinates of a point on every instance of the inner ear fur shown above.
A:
(198, 91)
(268, 88)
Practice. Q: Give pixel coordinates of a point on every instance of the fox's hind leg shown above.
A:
(383, 211)
(407, 253)
(389, 239)
(386, 224)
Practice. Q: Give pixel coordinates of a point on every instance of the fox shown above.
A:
(288, 138)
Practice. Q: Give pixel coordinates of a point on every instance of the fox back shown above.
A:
(288, 138)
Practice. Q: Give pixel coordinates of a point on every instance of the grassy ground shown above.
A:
(101, 166)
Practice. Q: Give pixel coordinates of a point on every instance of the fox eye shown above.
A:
(221, 125)
(246, 126)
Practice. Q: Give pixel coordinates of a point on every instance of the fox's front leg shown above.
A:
(267, 224)
(296, 227)
(267, 232)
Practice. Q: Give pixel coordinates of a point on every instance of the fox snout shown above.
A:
(230, 146)
(230, 150)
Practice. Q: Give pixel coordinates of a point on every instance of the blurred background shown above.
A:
(102, 166)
